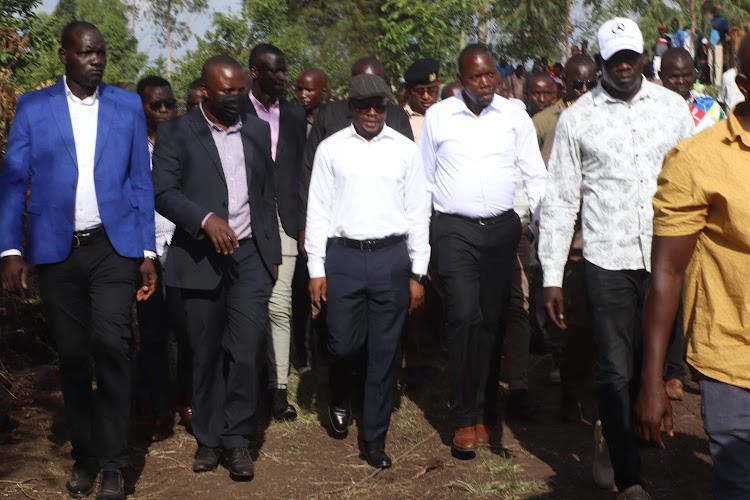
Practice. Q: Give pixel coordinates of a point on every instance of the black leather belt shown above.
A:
(367, 245)
(482, 221)
(88, 236)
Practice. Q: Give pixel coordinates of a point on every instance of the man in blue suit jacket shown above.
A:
(81, 145)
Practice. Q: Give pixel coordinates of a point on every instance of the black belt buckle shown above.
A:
(80, 239)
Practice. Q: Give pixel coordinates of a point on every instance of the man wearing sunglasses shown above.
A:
(367, 243)
(608, 151)
(580, 77)
(153, 387)
(422, 91)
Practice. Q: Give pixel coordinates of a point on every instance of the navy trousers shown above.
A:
(368, 301)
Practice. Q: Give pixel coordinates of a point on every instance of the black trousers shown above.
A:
(368, 301)
(616, 300)
(88, 299)
(227, 328)
(153, 359)
(475, 264)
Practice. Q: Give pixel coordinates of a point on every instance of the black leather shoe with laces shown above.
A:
(111, 486)
(239, 462)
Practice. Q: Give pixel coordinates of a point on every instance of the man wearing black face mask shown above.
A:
(213, 177)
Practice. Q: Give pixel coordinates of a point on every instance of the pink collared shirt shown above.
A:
(272, 117)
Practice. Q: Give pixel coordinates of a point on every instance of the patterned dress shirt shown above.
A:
(612, 152)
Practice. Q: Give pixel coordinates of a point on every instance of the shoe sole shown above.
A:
(465, 448)
(80, 494)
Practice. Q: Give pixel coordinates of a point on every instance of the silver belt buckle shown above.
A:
(76, 241)
(482, 221)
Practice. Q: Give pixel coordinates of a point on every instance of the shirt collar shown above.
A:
(496, 104)
(410, 111)
(213, 126)
(600, 96)
(384, 134)
(736, 132)
(88, 101)
(257, 103)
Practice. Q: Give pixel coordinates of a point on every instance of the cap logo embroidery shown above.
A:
(618, 28)
(432, 77)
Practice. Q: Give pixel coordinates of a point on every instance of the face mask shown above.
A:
(230, 106)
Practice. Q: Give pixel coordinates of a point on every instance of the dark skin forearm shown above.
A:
(670, 256)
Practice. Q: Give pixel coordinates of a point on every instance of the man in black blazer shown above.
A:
(213, 177)
(267, 68)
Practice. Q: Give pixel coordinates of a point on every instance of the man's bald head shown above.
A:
(368, 65)
(471, 51)
(677, 71)
(217, 63)
(71, 30)
(578, 61)
(315, 75)
(580, 76)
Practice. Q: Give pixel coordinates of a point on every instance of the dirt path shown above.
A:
(542, 459)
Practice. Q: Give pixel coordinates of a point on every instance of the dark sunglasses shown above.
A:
(578, 84)
(167, 103)
(364, 107)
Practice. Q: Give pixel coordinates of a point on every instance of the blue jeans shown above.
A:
(726, 419)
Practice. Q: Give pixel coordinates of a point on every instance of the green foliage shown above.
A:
(424, 28)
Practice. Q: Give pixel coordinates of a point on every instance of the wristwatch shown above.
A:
(422, 279)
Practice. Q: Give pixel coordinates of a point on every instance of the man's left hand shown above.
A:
(148, 280)
(416, 292)
(651, 408)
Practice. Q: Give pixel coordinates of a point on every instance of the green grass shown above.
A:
(504, 481)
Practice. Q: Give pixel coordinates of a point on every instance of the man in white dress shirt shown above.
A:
(610, 146)
(471, 145)
(367, 243)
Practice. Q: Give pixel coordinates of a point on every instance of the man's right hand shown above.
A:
(651, 409)
(222, 236)
(14, 273)
(554, 303)
(318, 288)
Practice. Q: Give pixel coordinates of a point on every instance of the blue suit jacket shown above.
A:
(41, 150)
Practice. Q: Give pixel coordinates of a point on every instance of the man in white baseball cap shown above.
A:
(610, 145)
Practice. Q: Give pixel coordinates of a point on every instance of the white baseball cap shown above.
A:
(619, 34)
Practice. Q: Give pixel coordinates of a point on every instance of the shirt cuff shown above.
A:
(552, 278)
(419, 267)
(203, 222)
(316, 267)
(8, 253)
(148, 254)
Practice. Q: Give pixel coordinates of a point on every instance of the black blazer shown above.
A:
(332, 117)
(189, 183)
(289, 151)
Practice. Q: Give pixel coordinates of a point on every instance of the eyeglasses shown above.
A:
(578, 84)
(364, 107)
(167, 103)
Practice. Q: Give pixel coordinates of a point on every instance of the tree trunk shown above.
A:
(169, 39)
(132, 12)
(567, 29)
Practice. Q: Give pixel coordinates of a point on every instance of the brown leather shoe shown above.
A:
(465, 439)
(186, 417)
(161, 428)
(674, 389)
(483, 435)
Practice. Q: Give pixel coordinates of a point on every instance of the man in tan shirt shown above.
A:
(701, 234)
(422, 91)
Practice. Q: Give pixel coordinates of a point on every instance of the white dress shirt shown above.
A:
(84, 117)
(729, 93)
(470, 161)
(366, 190)
(611, 151)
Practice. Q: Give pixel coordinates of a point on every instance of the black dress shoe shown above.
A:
(282, 410)
(206, 459)
(340, 418)
(239, 462)
(111, 486)
(376, 456)
(82, 478)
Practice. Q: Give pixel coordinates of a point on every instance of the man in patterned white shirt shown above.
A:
(608, 151)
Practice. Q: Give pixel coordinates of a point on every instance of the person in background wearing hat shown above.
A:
(661, 45)
(422, 91)
(471, 145)
(612, 187)
(368, 248)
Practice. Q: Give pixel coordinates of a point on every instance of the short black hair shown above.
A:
(263, 49)
(151, 81)
(539, 74)
(471, 50)
(195, 84)
(66, 38)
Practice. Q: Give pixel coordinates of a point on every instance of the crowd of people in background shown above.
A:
(461, 223)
